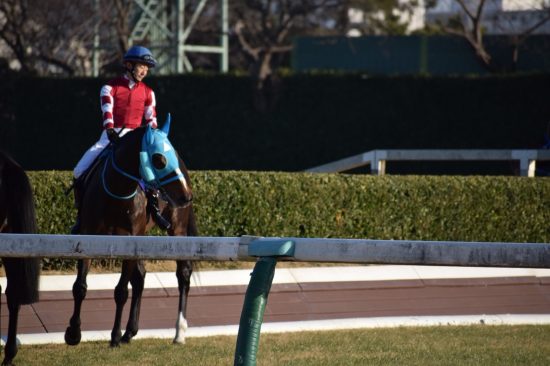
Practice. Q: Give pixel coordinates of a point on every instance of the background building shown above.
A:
(500, 17)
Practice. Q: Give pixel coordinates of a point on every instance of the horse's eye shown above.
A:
(159, 161)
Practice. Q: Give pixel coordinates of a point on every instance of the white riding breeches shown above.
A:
(92, 153)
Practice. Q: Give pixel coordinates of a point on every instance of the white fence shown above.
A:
(247, 248)
(377, 159)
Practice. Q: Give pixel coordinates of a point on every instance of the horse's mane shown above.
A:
(136, 133)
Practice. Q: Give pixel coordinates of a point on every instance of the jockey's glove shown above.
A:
(112, 135)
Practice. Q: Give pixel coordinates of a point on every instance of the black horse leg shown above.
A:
(183, 273)
(80, 288)
(10, 350)
(121, 296)
(137, 281)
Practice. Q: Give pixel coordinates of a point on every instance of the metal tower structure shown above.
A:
(162, 25)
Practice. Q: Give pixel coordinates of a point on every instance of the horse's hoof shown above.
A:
(179, 340)
(72, 336)
(127, 337)
(115, 339)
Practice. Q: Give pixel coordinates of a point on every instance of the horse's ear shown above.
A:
(149, 138)
(166, 127)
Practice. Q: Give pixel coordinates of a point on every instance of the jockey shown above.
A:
(125, 102)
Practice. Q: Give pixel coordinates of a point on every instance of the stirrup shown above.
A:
(153, 208)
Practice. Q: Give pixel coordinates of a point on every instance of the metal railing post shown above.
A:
(248, 339)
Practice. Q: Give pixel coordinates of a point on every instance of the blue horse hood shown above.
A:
(155, 141)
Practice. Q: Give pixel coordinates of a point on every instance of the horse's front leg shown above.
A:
(121, 296)
(80, 288)
(183, 273)
(10, 350)
(138, 281)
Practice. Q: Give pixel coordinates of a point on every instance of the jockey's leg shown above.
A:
(78, 188)
(80, 171)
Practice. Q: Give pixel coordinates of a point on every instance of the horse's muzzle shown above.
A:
(181, 202)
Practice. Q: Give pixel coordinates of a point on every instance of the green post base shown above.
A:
(252, 314)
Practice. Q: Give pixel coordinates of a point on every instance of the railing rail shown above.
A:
(377, 158)
(411, 252)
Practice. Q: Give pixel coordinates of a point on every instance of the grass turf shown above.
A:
(446, 345)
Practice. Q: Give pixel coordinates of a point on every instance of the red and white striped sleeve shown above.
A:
(150, 111)
(107, 106)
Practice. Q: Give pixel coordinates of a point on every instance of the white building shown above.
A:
(499, 16)
(409, 12)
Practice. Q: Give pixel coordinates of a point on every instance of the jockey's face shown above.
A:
(140, 70)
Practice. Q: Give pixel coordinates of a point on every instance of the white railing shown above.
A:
(247, 248)
(377, 159)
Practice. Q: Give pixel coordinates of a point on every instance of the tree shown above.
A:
(473, 20)
(263, 29)
(47, 37)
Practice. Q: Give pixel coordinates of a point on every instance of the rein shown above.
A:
(157, 183)
(110, 157)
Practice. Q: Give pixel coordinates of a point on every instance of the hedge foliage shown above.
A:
(499, 209)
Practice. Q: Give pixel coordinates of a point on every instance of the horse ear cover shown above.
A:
(145, 163)
(149, 137)
(146, 167)
(166, 127)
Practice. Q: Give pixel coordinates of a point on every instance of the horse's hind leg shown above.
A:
(137, 280)
(183, 273)
(10, 350)
(80, 288)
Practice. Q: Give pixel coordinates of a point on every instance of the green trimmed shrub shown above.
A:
(229, 203)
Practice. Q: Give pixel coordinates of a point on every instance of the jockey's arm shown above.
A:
(150, 110)
(107, 103)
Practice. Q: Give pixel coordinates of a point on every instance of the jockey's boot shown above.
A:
(78, 193)
(153, 208)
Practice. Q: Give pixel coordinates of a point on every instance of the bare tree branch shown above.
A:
(471, 28)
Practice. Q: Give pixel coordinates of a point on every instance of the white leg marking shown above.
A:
(181, 327)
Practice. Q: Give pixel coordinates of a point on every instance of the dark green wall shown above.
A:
(48, 123)
(410, 55)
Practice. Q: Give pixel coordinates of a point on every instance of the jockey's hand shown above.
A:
(112, 135)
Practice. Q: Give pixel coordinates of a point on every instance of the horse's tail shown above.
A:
(23, 273)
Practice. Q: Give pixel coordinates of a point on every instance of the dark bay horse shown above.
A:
(17, 215)
(114, 204)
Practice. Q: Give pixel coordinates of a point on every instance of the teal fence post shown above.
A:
(255, 300)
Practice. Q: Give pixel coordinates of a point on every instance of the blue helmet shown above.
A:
(140, 54)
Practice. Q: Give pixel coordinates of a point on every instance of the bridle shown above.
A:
(157, 183)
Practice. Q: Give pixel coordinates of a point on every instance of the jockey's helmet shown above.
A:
(140, 54)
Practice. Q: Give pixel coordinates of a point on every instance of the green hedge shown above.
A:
(507, 209)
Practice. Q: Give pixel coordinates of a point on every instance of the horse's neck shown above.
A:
(126, 155)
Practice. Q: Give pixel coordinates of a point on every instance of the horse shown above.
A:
(17, 215)
(114, 203)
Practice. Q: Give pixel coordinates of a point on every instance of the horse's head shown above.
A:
(160, 166)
